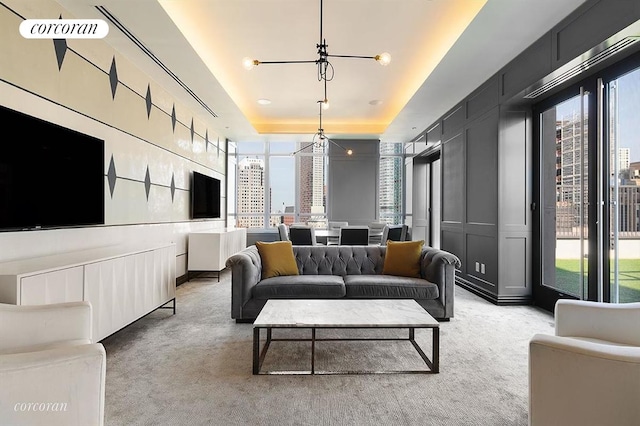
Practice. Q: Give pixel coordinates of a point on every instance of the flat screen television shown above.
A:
(50, 176)
(205, 197)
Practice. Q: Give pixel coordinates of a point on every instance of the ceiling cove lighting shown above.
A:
(325, 73)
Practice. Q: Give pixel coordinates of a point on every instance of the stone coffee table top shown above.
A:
(363, 313)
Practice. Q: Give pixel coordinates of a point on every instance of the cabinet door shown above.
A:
(102, 287)
(124, 289)
(64, 285)
(166, 261)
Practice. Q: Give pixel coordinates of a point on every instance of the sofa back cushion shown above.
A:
(339, 260)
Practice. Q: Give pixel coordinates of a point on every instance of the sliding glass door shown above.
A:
(587, 169)
(564, 198)
(623, 108)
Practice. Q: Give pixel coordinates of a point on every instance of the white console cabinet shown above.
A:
(209, 250)
(122, 285)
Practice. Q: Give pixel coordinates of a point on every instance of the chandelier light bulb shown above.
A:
(383, 58)
(325, 104)
(349, 151)
(249, 63)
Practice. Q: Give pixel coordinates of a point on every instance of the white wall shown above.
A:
(78, 95)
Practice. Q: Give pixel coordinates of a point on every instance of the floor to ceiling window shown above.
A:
(390, 183)
(588, 192)
(286, 182)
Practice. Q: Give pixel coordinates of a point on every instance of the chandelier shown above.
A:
(319, 138)
(326, 73)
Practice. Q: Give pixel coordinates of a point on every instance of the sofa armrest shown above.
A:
(246, 272)
(439, 267)
(28, 325)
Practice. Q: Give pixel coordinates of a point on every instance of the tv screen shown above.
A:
(50, 176)
(205, 197)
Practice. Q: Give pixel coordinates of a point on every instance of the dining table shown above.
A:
(332, 236)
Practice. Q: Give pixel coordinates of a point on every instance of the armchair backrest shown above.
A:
(23, 326)
(615, 322)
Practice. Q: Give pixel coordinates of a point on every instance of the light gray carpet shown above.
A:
(194, 368)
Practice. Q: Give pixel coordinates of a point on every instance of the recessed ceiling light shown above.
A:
(375, 102)
(264, 101)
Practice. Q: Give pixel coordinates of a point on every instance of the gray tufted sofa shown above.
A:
(328, 272)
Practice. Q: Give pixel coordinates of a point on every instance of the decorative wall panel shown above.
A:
(87, 86)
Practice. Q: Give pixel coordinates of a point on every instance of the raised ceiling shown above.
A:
(418, 33)
(441, 50)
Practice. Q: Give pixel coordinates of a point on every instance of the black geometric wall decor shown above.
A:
(113, 77)
(192, 130)
(148, 101)
(60, 46)
(111, 176)
(173, 186)
(173, 118)
(147, 183)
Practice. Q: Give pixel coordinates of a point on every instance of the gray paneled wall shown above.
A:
(353, 182)
(487, 154)
(482, 170)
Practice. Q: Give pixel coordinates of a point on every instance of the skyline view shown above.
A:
(305, 173)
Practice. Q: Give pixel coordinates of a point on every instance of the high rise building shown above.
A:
(250, 193)
(312, 199)
(390, 182)
(624, 160)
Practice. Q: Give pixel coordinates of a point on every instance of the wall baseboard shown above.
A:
(182, 279)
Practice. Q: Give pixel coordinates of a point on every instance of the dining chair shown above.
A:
(302, 236)
(282, 232)
(334, 226)
(354, 236)
(375, 232)
(394, 233)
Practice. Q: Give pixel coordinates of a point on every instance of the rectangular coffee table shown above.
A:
(342, 314)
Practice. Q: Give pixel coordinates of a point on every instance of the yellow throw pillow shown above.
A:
(277, 259)
(403, 258)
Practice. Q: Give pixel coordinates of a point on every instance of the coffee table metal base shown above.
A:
(259, 355)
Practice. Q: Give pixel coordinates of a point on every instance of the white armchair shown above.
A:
(588, 373)
(50, 371)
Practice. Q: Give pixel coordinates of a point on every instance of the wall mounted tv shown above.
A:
(50, 176)
(205, 197)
